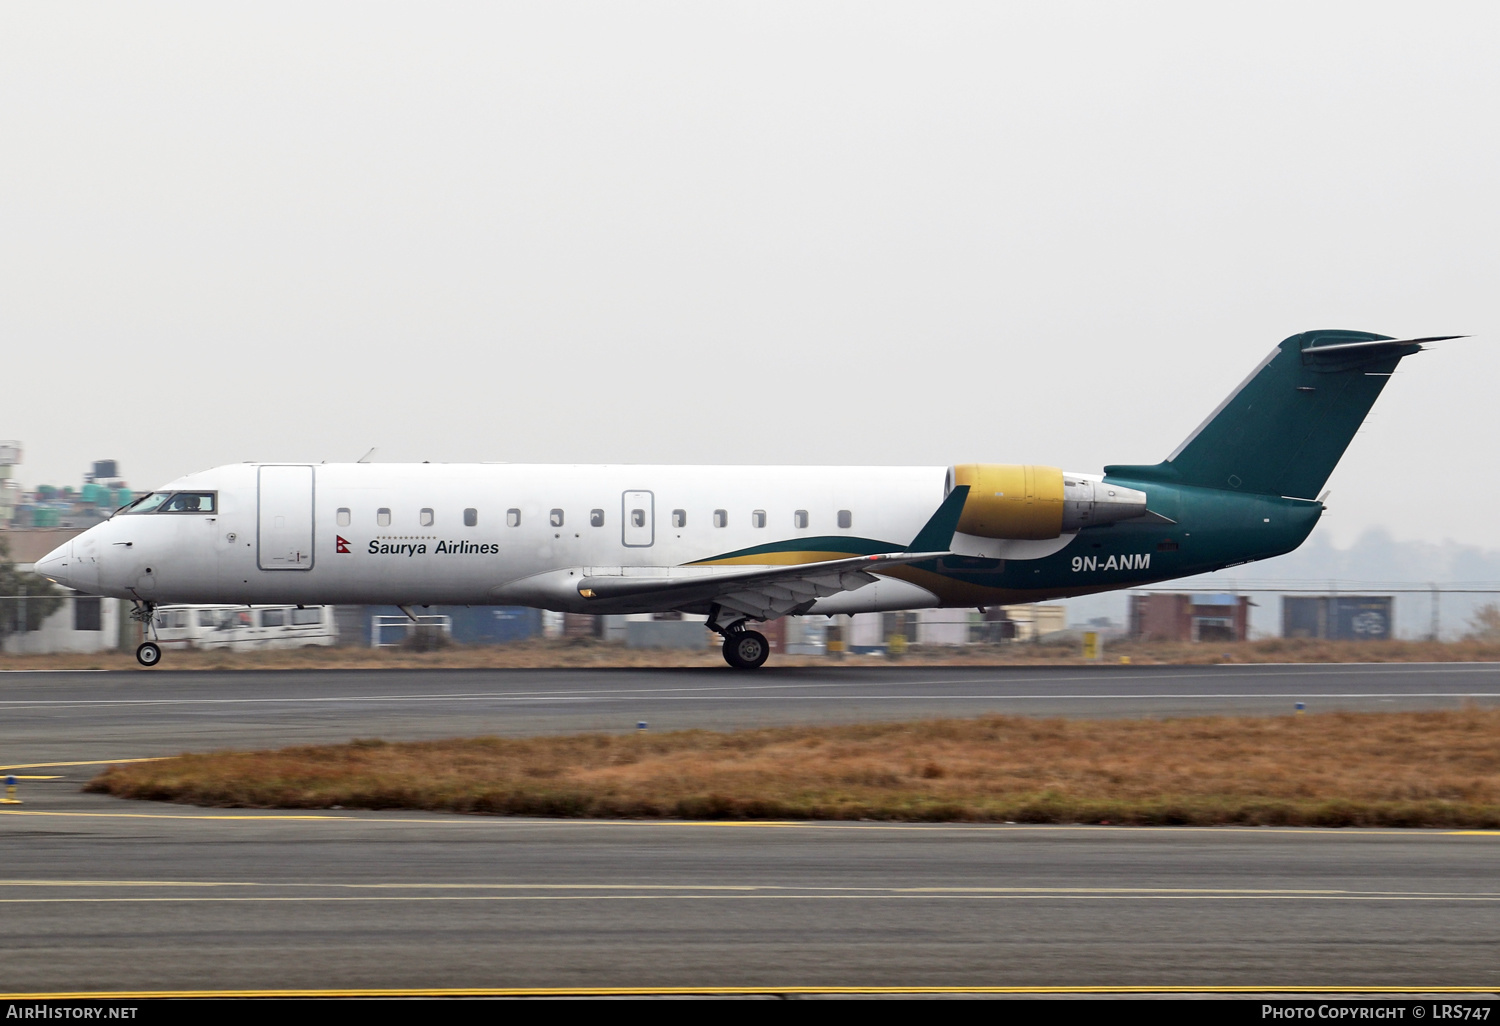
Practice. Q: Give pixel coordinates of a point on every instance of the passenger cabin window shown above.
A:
(303, 617)
(272, 617)
(679, 518)
(596, 518)
(721, 518)
(846, 519)
(512, 518)
(555, 518)
(425, 518)
(637, 518)
(189, 502)
(343, 518)
(800, 518)
(758, 518)
(471, 517)
(382, 518)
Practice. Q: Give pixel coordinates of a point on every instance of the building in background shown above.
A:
(10, 491)
(1176, 617)
(52, 506)
(83, 623)
(1338, 617)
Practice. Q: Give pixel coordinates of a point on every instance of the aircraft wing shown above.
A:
(766, 592)
(762, 592)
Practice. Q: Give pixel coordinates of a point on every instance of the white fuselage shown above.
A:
(397, 533)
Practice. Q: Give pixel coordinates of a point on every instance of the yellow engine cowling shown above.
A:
(1010, 501)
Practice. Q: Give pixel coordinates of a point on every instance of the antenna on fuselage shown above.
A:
(366, 457)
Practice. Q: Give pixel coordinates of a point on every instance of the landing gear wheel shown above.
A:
(746, 650)
(149, 654)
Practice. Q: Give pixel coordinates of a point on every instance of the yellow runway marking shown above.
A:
(555, 899)
(655, 892)
(494, 899)
(94, 762)
(392, 992)
(365, 816)
(779, 888)
(168, 815)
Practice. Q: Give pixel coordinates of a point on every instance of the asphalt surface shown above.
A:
(57, 716)
(100, 894)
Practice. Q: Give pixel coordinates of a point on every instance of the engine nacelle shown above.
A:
(1088, 500)
(1010, 501)
(1018, 502)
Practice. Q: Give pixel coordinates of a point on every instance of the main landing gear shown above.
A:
(148, 653)
(746, 650)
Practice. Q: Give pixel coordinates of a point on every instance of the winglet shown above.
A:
(937, 534)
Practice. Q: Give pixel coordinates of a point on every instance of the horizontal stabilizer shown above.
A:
(1375, 345)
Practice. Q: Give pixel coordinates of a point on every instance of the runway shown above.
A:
(98, 896)
(64, 716)
(106, 895)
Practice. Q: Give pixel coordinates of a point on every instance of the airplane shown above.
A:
(744, 545)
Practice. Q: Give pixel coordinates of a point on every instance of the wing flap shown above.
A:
(801, 581)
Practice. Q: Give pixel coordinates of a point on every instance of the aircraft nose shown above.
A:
(57, 565)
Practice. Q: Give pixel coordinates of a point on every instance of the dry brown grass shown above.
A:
(1367, 769)
(586, 653)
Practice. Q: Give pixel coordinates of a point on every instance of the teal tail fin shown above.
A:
(1283, 430)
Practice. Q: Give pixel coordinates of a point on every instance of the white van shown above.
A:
(245, 626)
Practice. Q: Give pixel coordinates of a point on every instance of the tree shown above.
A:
(25, 599)
(1484, 625)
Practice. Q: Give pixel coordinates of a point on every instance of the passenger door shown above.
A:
(638, 513)
(285, 536)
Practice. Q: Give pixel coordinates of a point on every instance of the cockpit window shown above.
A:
(174, 502)
(147, 503)
(189, 502)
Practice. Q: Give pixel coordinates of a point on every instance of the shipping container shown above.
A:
(1338, 617)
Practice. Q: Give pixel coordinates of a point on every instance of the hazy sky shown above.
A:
(806, 232)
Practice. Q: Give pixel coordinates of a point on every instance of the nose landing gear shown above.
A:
(148, 653)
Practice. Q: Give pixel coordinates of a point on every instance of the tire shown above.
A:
(746, 650)
(148, 654)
